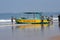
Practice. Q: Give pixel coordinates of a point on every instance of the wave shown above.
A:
(9, 20)
(6, 20)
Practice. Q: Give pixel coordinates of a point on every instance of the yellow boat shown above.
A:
(24, 20)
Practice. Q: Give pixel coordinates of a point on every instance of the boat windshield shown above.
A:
(33, 15)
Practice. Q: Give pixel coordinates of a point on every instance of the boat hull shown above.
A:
(25, 21)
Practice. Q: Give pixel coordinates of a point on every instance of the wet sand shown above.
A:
(29, 31)
(57, 37)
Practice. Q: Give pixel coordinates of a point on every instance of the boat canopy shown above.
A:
(30, 15)
(36, 15)
(32, 12)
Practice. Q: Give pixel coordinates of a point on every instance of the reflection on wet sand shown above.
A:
(59, 26)
(32, 26)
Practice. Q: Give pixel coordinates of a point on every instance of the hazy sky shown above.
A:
(15, 6)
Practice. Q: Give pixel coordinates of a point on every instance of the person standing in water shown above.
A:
(12, 19)
(59, 18)
(51, 19)
(42, 19)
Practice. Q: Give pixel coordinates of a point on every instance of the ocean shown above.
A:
(14, 31)
(8, 15)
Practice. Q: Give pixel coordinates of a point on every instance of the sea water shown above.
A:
(10, 31)
(7, 16)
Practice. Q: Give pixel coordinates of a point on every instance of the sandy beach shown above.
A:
(57, 37)
(29, 31)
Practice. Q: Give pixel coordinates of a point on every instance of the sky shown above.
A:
(16, 6)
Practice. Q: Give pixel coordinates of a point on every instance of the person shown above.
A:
(59, 18)
(47, 18)
(51, 19)
(12, 19)
(42, 19)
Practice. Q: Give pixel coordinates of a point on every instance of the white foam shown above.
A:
(55, 19)
(7, 20)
